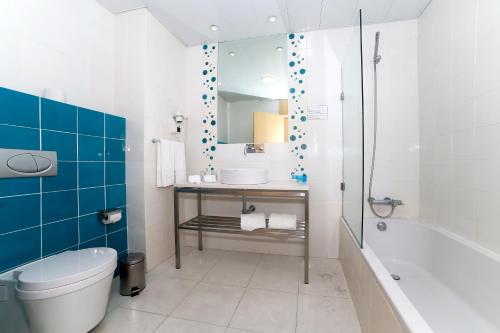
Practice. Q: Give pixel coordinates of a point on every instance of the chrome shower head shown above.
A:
(376, 57)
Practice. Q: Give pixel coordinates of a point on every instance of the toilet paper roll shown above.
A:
(112, 216)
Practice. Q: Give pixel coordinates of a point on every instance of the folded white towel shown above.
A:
(193, 179)
(179, 162)
(165, 164)
(283, 221)
(253, 221)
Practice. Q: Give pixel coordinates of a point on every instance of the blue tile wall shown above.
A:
(48, 215)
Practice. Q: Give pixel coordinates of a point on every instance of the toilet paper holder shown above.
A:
(111, 216)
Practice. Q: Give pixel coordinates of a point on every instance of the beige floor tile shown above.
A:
(194, 265)
(177, 325)
(266, 311)
(161, 295)
(233, 269)
(237, 330)
(129, 321)
(115, 299)
(275, 272)
(325, 279)
(320, 314)
(210, 303)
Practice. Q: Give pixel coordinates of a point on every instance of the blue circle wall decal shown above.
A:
(204, 96)
(293, 137)
(292, 90)
(302, 71)
(303, 146)
(291, 36)
(212, 148)
(213, 122)
(213, 79)
(204, 140)
(205, 46)
(205, 72)
(291, 63)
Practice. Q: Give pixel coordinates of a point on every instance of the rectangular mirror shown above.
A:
(253, 91)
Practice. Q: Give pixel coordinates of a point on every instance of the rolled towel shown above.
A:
(283, 221)
(253, 221)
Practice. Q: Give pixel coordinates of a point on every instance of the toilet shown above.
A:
(67, 292)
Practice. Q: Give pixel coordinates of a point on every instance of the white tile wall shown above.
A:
(459, 81)
(398, 168)
(149, 89)
(397, 162)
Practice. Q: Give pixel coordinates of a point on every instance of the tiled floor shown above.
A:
(223, 291)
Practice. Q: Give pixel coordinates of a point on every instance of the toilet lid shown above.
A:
(66, 268)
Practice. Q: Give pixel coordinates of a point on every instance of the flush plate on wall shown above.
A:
(15, 163)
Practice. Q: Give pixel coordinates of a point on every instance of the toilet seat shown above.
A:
(65, 272)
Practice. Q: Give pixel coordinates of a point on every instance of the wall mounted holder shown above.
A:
(17, 163)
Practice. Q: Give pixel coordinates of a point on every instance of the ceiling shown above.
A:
(189, 20)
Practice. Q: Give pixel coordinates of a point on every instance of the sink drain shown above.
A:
(395, 277)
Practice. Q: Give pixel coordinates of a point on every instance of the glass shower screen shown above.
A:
(352, 127)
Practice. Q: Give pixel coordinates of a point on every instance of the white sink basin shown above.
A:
(244, 176)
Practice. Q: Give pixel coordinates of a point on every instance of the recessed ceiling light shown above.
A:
(232, 53)
(279, 49)
(266, 79)
(213, 27)
(272, 19)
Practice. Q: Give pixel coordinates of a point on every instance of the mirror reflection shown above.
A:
(253, 91)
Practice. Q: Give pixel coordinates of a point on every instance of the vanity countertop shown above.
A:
(282, 185)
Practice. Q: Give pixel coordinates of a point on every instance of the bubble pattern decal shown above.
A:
(209, 100)
(297, 100)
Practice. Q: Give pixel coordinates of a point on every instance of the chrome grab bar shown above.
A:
(385, 202)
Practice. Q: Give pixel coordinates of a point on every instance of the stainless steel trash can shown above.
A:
(132, 275)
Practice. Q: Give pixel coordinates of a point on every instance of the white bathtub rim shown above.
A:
(403, 306)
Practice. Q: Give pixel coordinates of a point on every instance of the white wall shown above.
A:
(129, 101)
(149, 90)
(398, 119)
(459, 77)
(59, 44)
(164, 88)
(397, 161)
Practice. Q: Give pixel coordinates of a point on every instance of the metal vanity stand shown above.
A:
(232, 225)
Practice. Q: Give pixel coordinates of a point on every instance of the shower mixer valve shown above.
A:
(386, 201)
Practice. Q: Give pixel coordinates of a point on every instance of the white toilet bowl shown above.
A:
(67, 292)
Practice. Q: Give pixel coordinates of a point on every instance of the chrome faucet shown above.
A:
(253, 148)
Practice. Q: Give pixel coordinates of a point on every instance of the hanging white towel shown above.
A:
(165, 164)
(179, 163)
(253, 221)
(283, 221)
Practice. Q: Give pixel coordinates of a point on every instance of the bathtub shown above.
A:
(447, 284)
